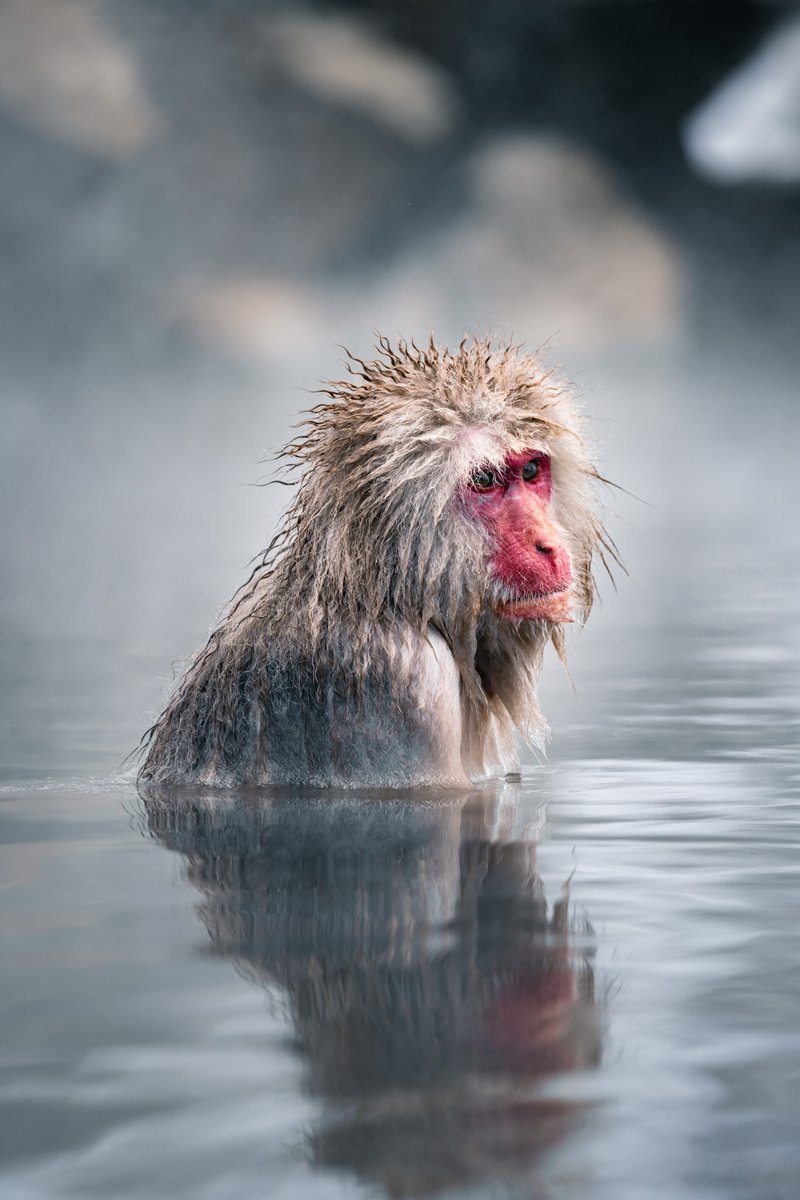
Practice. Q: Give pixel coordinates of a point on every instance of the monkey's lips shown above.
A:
(552, 606)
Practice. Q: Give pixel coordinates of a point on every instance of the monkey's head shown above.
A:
(443, 489)
(435, 480)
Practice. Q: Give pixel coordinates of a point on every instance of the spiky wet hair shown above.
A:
(377, 539)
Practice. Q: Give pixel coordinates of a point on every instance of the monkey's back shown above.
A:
(244, 716)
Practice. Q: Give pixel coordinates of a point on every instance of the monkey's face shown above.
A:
(530, 565)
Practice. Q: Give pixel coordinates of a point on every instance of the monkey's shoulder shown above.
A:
(247, 713)
(392, 720)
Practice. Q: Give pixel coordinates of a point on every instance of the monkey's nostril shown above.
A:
(544, 549)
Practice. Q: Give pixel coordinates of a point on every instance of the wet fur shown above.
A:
(363, 650)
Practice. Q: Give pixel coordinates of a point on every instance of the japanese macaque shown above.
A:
(392, 633)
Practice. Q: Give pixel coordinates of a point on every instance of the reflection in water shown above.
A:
(430, 989)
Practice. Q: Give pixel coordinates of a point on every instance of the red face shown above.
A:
(530, 564)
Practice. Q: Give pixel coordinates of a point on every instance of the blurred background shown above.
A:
(201, 202)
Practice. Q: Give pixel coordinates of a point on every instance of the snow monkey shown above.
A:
(391, 635)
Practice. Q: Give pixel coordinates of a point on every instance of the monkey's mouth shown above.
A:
(547, 606)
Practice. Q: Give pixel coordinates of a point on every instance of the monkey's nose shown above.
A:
(553, 561)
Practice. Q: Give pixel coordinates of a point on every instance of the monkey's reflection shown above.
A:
(428, 984)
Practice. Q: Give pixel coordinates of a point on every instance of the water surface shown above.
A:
(582, 985)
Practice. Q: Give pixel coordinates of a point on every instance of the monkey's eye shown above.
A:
(484, 479)
(531, 470)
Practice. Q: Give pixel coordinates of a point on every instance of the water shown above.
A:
(584, 985)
